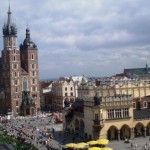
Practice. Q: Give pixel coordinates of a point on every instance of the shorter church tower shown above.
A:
(29, 64)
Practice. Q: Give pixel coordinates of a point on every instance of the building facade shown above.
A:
(62, 90)
(115, 116)
(46, 95)
(19, 81)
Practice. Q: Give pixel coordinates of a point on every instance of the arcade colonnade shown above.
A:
(113, 131)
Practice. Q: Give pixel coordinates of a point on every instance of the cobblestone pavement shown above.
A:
(140, 142)
(61, 139)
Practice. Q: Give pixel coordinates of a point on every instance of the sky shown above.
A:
(83, 37)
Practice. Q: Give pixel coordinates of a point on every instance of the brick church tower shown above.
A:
(19, 84)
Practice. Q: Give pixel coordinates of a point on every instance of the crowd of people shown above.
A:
(32, 129)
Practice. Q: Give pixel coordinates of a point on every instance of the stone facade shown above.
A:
(99, 114)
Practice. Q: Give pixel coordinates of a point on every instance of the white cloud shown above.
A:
(94, 38)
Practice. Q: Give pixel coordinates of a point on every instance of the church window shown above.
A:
(16, 82)
(14, 51)
(14, 58)
(33, 73)
(32, 56)
(15, 74)
(25, 83)
(17, 104)
(33, 81)
(9, 41)
(14, 42)
(16, 89)
(32, 66)
(15, 66)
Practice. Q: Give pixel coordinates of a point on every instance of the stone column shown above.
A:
(118, 135)
(132, 133)
(144, 131)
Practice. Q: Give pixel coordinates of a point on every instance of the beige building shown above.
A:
(108, 113)
(62, 90)
(136, 89)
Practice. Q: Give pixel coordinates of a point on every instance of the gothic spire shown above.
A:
(9, 17)
(9, 27)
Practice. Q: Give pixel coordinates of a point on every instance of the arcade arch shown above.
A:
(125, 132)
(112, 133)
(139, 130)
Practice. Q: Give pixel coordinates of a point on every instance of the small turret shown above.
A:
(97, 99)
(27, 43)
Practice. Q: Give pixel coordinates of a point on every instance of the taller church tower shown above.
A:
(19, 85)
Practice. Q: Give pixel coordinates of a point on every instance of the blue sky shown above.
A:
(84, 37)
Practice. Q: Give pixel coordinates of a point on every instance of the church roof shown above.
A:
(137, 71)
(78, 103)
(141, 113)
(28, 43)
(23, 72)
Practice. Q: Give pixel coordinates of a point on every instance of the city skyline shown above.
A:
(91, 38)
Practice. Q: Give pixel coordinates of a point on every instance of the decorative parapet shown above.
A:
(117, 98)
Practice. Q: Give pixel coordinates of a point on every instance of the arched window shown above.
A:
(25, 83)
(32, 56)
(17, 104)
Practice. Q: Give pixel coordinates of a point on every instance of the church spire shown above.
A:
(9, 16)
(146, 68)
(9, 27)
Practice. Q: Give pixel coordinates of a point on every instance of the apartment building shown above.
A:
(62, 90)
